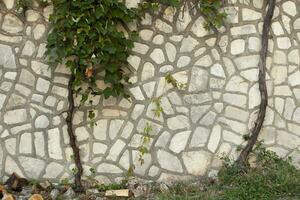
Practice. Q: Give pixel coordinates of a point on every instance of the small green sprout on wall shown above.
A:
(157, 114)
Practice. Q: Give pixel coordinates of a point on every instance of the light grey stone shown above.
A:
(179, 141)
(237, 84)
(146, 34)
(156, 128)
(204, 61)
(297, 24)
(11, 147)
(10, 75)
(15, 116)
(232, 137)
(141, 169)
(167, 107)
(236, 113)
(41, 69)
(106, 167)
(232, 14)
(199, 80)
(296, 116)
(287, 140)
(283, 90)
(53, 170)
(137, 111)
(32, 15)
(148, 71)
(134, 61)
(127, 131)
(163, 26)
(208, 119)
(246, 62)
(235, 99)
(283, 43)
(214, 139)
(217, 70)
(54, 145)
(153, 171)
(41, 50)
(149, 88)
(33, 167)
(250, 15)
(198, 28)
(169, 161)
(157, 56)
(124, 160)
(99, 148)
(188, 44)
(147, 19)
(183, 20)
(178, 122)
(289, 8)
(200, 137)
(197, 98)
(10, 39)
(176, 38)
(196, 162)
(41, 122)
(42, 85)
(171, 51)
(2, 100)
(7, 58)
(277, 28)
(183, 61)
(12, 24)
(294, 79)
(132, 3)
(115, 150)
(243, 30)
(163, 139)
(279, 57)
(39, 143)
(39, 31)
(268, 135)
(25, 144)
(12, 167)
(50, 101)
(82, 133)
(15, 101)
(289, 108)
(237, 46)
(27, 77)
(279, 74)
(158, 39)
(9, 4)
(114, 128)
(250, 74)
(294, 56)
(257, 3)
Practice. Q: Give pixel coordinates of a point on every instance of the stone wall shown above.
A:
(200, 123)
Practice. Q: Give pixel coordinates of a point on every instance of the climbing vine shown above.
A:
(252, 139)
(157, 114)
(92, 40)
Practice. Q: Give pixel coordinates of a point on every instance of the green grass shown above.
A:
(272, 178)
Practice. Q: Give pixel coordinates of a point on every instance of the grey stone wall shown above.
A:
(200, 123)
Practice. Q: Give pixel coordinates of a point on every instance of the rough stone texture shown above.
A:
(200, 122)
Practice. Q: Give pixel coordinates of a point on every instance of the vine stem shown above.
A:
(243, 157)
(69, 120)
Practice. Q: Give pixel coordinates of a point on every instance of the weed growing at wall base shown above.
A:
(270, 178)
